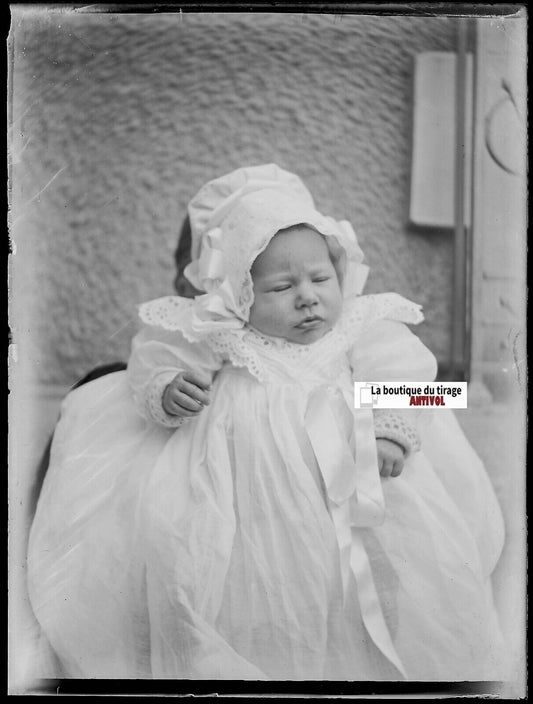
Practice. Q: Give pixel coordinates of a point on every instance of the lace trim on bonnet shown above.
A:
(245, 347)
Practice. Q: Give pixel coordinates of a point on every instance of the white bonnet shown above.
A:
(233, 218)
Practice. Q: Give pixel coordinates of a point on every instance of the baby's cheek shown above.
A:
(265, 315)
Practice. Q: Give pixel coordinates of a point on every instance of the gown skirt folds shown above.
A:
(257, 540)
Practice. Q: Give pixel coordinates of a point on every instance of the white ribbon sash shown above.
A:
(343, 476)
(353, 487)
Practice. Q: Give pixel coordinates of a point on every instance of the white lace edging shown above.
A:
(382, 306)
(170, 312)
(394, 427)
(245, 347)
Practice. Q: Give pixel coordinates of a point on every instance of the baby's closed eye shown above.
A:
(286, 286)
(280, 287)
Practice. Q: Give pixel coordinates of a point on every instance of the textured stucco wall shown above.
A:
(118, 119)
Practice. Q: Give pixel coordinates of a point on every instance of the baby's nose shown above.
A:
(306, 295)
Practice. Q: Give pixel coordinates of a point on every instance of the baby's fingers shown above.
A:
(397, 468)
(177, 404)
(386, 467)
(200, 379)
(390, 458)
(391, 468)
(191, 391)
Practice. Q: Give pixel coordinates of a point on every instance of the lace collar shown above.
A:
(260, 353)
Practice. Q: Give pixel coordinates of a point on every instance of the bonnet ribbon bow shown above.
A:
(209, 273)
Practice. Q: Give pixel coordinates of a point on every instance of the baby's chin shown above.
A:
(302, 336)
(307, 337)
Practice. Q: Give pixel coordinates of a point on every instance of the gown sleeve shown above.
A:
(389, 351)
(157, 355)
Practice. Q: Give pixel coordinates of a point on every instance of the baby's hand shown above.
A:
(390, 458)
(187, 394)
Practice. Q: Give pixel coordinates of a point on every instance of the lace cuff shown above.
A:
(154, 403)
(393, 426)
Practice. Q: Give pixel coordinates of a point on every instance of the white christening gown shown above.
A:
(257, 540)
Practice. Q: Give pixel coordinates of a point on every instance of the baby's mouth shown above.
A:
(310, 323)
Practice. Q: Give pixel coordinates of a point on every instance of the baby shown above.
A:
(221, 509)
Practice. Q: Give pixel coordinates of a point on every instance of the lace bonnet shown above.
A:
(233, 218)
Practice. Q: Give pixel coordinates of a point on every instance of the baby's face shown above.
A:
(297, 294)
